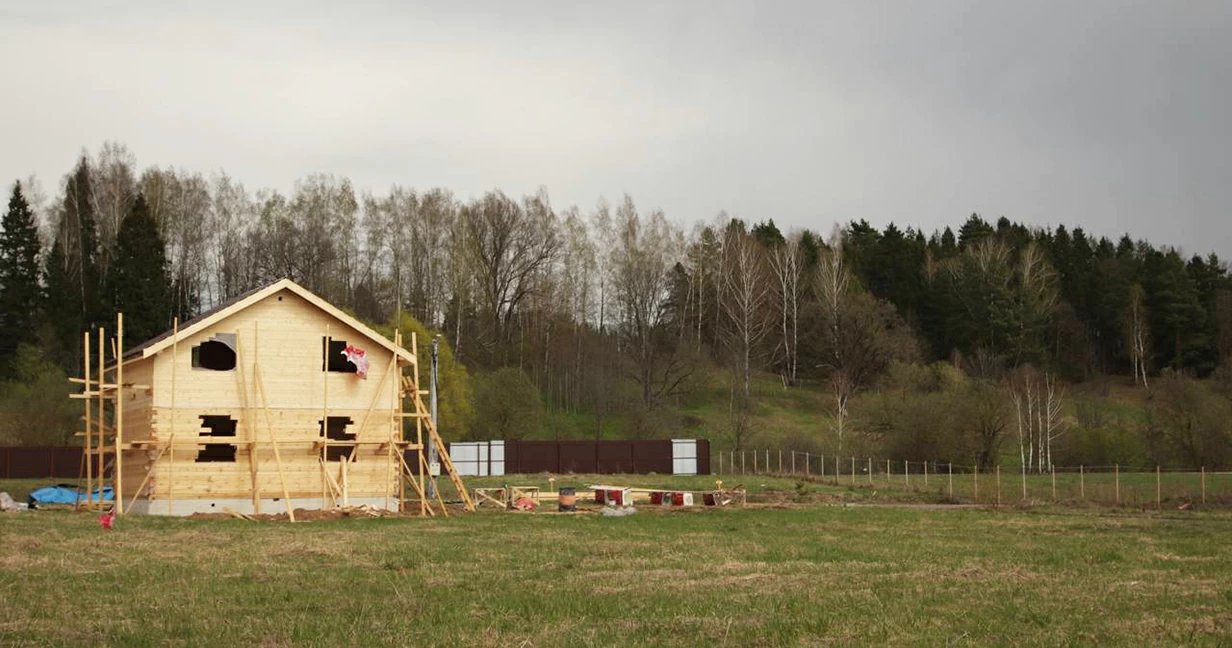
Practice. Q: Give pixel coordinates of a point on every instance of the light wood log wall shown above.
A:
(282, 335)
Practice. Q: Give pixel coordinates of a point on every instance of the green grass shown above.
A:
(763, 575)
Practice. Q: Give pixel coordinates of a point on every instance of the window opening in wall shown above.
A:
(216, 353)
(217, 426)
(335, 359)
(336, 430)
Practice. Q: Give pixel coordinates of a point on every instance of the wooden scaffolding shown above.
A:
(104, 392)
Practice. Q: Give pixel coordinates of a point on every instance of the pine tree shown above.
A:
(71, 280)
(138, 283)
(19, 278)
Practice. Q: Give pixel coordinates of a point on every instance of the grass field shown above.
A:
(797, 572)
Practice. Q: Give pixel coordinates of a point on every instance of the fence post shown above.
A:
(976, 475)
(806, 464)
(1204, 484)
(1117, 478)
(1158, 495)
(780, 461)
(793, 462)
(1054, 483)
(853, 470)
(767, 460)
(1082, 482)
(823, 466)
(742, 470)
(889, 477)
(838, 469)
(1024, 482)
(755, 462)
(906, 473)
(926, 474)
(950, 468)
(870, 471)
(998, 485)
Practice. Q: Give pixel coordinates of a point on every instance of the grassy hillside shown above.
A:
(1108, 412)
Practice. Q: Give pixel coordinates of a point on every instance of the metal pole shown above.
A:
(433, 459)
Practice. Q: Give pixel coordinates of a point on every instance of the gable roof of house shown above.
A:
(240, 302)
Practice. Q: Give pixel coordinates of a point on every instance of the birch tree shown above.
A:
(787, 265)
(1138, 334)
(1037, 400)
(746, 298)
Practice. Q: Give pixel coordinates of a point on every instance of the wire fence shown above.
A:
(997, 485)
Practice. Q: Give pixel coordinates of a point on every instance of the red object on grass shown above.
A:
(107, 520)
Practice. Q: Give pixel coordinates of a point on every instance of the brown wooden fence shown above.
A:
(592, 457)
(588, 457)
(38, 462)
(598, 457)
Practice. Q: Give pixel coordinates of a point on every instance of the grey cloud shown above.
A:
(1108, 115)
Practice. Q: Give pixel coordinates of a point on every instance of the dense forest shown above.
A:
(995, 341)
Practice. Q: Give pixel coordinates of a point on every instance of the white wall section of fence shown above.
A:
(478, 458)
(684, 456)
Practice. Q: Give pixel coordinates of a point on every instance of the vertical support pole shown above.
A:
(393, 437)
(780, 461)
(432, 450)
(399, 432)
(807, 465)
(889, 478)
(767, 460)
(1024, 482)
(175, 360)
(906, 473)
(99, 448)
(870, 471)
(119, 414)
(1054, 483)
(1158, 491)
(950, 469)
(720, 463)
(975, 474)
(85, 337)
(1082, 482)
(1117, 478)
(423, 501)
(754, 462)
(346, 481)
(998, 485)
(1204, 484)
(248, 422)
(325, 417)
(793, 462)
(926, 474)
(743, 471)
(853, 470)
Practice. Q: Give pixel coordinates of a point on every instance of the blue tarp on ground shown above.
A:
(67, 494)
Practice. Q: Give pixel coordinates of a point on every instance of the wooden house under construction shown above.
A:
(273, 401)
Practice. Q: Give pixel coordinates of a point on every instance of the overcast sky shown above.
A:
(1109, 115)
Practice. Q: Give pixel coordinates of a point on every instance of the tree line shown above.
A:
(617, 305)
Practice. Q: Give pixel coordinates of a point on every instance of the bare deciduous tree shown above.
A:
(509, 244)
(788, 266)
(1037, 401)
(1138, 334)
(746, 297)
(641, 263)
